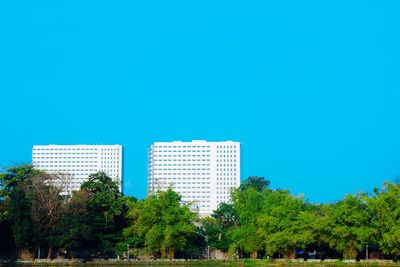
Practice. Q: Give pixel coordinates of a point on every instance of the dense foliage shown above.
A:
(160, 225)
(41, 215)
(265, 223)
(37, 214)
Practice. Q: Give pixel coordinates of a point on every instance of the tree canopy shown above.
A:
(260, 222)
(160, 224)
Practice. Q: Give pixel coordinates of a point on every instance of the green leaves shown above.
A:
(162, 222)
(269, 220)
(255, 182)
(349, 226)
(97, 221)
(20, 217)
(12, 179)
(15, 203)
(216, 228)
(385, 208)
(94, 218)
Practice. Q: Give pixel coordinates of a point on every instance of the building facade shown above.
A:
(79, 161)
(202, 172)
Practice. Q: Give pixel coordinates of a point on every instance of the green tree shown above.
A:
(247, 203)
(323, 227)
(161, 224)
(32, 204)
(269, 220)
(349, 226)
(94, 219)
(212, 232)
(104, 211)
(384, 206)
(20, 217)
(215, 228)
(15, 204)
(74, 232)
(12, 179)
(284, 223)
(255, 182)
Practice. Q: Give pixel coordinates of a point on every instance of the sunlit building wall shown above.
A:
(202, 172)
(79, 161)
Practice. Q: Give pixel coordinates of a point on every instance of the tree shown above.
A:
(323, 227)
(255, 182)
(349, 226)
(269, 220)
(212, 232)
(284, 223)
(47, 205)
(247, 203)
(104, 211)
(74, 232)
(384, 206)
(15, 205)
(33, 205)
(10, 180)
(20, 217)
(215, 228)
(94, 219)
(161, 224)
(226, 215)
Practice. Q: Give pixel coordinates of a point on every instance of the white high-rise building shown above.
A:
(79, 161)
(202, 172)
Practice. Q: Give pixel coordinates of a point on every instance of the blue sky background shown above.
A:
(310, 88)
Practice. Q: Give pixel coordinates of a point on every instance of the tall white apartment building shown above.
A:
(202, 172)
(79, 161)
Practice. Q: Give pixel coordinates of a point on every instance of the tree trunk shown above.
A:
(291, 254)
(350, 253)
(171, 254)
(253, 255)
(49, 253)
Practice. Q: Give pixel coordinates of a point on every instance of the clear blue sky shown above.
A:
(310, 88)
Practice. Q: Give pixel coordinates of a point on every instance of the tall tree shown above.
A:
(74, 232)
(255, 182)
(162, 223)
(273, 221)
(93, 220)
(385, 210)
(104, 211)
(15, 204)
(47, 205)
(215, 228)
(349, 226)
(284, 223)
(247, 203)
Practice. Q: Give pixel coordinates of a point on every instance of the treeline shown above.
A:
(39, 217)
(266, 223)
